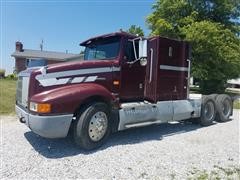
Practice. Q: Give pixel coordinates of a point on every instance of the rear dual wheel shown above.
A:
(208, 111)
(217, 107)
(224, 106)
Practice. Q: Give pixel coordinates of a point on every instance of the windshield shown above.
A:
(102, 49)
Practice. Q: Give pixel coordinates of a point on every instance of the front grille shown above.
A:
(19, 90)
(22, 91)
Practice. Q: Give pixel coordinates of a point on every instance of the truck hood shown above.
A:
(28, 71)
(77, 65)
(74, 72)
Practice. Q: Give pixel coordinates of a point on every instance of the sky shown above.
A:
(64, 24)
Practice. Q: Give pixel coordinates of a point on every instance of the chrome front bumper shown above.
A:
(46, 126)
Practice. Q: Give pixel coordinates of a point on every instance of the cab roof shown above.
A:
(120, 33)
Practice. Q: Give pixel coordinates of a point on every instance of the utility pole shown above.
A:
(41, 45)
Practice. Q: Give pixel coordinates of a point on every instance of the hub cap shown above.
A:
(98, 126)
(209, 110)
(226, 108)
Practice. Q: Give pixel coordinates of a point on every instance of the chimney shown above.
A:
(19, 46)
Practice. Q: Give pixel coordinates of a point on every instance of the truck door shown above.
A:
(132, 75)
(150, 90)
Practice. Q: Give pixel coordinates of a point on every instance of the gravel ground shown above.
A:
(158, 152)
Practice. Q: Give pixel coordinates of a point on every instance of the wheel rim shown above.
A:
(209, 111)
(226, 108)
(98, 126)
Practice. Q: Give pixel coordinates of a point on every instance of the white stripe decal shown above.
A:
(173, 68)
(62, 81)
(115, 69)
(53, 81)
(91, 79)
(77, 72)
(77, 79)
(47, 82)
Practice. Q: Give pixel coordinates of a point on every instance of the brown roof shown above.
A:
(50, 55)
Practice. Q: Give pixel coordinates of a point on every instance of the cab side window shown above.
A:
(129, 51)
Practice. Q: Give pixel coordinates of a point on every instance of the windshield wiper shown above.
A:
(106, 58)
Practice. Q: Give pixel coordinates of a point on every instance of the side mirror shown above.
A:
(143, 52)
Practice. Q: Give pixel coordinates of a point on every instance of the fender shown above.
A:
(67, 99)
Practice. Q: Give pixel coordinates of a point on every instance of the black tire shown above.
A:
(214, 96)
(208, 111)
(224, 106)
(82, 127)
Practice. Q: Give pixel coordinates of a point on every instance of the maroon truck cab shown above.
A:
(113, 79)
(109, 90)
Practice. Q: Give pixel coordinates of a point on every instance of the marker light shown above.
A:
(116, 83)
(40, 107)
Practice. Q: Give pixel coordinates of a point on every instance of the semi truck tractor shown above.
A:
(124, 81)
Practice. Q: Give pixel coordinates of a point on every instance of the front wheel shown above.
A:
(92, 126)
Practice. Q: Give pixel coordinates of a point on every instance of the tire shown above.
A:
(197, 120)
(208, 111)
(214, 96)
(224, 106)
(92, 126)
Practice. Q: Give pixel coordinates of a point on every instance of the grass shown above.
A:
(7, 96)
(218, 173)
(236, 104)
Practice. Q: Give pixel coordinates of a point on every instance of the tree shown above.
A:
(137, 30)
(216, 54)
(81, 52)
(211, 27)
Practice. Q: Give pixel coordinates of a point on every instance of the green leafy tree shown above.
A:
(137, 30)
(212, 28)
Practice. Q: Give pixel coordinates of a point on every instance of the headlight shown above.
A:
(40, 107)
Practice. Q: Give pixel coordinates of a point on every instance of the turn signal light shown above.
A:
(40, 107)
(44, 108)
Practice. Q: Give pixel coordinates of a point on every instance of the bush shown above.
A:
(2, 73)
(11, 76)
(212, 86)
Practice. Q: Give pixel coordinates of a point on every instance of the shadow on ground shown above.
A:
(58, 148)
